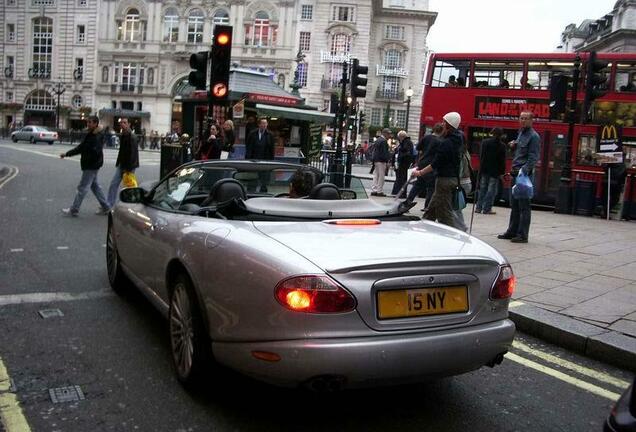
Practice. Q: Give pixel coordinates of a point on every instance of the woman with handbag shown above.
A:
(229, 138)
(211, 147)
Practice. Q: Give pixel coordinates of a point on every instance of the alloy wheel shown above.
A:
(112, 259)
(181, 330)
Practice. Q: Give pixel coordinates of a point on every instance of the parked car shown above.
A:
(34, 134)
(623, 415)
(330, 291)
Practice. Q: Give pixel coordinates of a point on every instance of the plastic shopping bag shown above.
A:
(129, 180)
(523, 188)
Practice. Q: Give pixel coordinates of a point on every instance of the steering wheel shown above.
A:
(282, 195)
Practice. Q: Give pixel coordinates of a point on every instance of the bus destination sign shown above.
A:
(498, 108)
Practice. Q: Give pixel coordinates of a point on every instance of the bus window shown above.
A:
(625, 77)
(497, 74)
(450, 73)
(477, 134)
(540, 73)
(586, 153)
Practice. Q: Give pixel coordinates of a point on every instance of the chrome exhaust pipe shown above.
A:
(497, 360)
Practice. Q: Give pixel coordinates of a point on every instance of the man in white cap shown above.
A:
(445, 163)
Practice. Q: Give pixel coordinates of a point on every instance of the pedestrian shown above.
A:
(260, 145)
(527, 148)
(229, 138)
(446, 165)
(404, 160)
(492, 166)
(380, 159)
(425, 183)
(154, 140)
(142, 142)
(127, 158)
(211, 147)
(91, 160)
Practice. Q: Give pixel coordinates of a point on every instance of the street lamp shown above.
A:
(409, 95)
(300, 58)
(58, 88)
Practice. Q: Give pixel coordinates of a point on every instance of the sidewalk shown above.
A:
(576, 279)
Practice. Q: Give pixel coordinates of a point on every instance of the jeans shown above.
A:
(378, 177)
(519, 224)
(89, 180)
(441, 206)
(488, 186)
(114, 186)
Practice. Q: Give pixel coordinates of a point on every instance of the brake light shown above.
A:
(504, 286)
(42, 135)
(353, 222)
(314, 294)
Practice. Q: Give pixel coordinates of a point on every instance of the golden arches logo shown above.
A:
(609, 133)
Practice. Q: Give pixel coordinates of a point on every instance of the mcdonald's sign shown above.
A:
(609, 139)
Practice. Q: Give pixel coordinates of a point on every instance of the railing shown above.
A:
(325, 161)
(326, 84)
(389, 94)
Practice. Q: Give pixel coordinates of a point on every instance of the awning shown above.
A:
(295, 113)
(124, 113)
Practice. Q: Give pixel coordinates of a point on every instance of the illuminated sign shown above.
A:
(609, 139)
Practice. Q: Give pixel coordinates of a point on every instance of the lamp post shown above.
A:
(58, 88)
(409, 95)
(300, 58)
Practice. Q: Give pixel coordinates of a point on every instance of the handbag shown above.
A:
(129, 180)
(459, 194)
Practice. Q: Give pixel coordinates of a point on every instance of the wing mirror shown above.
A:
(133, 195)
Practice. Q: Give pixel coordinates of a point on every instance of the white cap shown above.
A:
(453, 119)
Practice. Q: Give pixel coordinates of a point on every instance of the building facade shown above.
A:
(131, 57)
(614, 32)
(48, 52)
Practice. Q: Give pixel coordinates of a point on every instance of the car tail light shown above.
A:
(314, 294)
(42, 134)
(505, 284)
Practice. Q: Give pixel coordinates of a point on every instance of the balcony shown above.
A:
(329, 85)
(389, 94)
(126, 88)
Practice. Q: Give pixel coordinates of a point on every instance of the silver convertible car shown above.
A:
(331, 290)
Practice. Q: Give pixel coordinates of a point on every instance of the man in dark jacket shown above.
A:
(127, 159)
(492, 166)
(446, 165)
(259, 144)
(380, 158)
(92, 159)
(404, 159)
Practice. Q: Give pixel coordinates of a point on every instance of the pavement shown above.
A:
(576, 279)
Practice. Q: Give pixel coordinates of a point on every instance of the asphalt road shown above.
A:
(116, 349)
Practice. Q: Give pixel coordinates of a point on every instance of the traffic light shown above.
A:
(595, 82)
(558, 95)
(198, 62)
(361, 122)
(334, 105)
(358, 83)
(220, 64)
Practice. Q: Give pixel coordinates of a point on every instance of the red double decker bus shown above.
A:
(490, 90)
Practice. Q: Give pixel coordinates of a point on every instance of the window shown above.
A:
(376, 116)
(625, 77)
(42, 2)
(169, 193)
(401, 119)
(281, 80)
(396, 3)
(39, 100)
(340, 43)
(8, 96)
(221, 16)
(128, 77)
(127, 105)
(81, 34)
(302, 74)
(195, 26)
(42, 47)
(10, 2)
(540, 73)
(394, 32)
(446, 73)
(131, 30)
(76, 102)
(393, 59)
(139, 106)
(343, 13)
(307, 12)
(151, 76)
(82, 3)
(586, 153)
(105, 74)
(10, 67)
(497, 74)
(78, 72)
(305, 41)
(171, 25)
(391, 87)
(388, 117)
(11, 32)
(261, 33)
(334, 75)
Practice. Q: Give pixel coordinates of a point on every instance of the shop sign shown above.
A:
(238, 110)
(609, 146)
(271, 99)
(497, 108)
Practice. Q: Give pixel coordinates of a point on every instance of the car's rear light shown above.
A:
(314, 294)
(504, 286)
(360, 222)
(42, 134)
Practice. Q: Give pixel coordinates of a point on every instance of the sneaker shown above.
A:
(519, 240)
(405, 206)
(505, 236)
(102, 211)
(69, 212)
(489, 212)
(477, 211)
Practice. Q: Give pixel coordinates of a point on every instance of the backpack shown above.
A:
(466, 170)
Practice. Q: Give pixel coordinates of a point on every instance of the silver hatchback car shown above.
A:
(34, 134)
(331, 290)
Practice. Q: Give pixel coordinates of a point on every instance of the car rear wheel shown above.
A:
(14, 139)
(190, 345)
(118, 280)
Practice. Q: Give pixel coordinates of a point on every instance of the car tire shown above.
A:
(119, 282)
(189, 343)
(51, 142)
(14, 139)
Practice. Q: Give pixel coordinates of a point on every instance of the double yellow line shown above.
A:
(11, 414)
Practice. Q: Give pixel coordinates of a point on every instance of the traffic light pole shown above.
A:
(340, 119)
(564, 199)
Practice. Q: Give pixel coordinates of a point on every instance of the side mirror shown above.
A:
(132, 195)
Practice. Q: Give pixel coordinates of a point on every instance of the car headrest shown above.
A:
(324, 191)
(223, 191)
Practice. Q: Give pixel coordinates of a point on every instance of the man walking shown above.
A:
(527, 148)
(404, 159)
(446, 164)
(260, 145)
(127, 159)
(492, 166)
(379, 159)
(91, 160)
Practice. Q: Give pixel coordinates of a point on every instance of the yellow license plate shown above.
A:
(422, 301)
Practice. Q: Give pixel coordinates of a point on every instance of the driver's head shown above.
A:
(300, 183)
